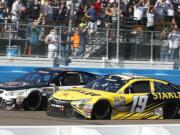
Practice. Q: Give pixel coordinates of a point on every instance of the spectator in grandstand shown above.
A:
(150, 18)
(159, 7)
(169, 11)
(34, 10)
(139, 11)
(3, 15)
(8, 4)
(114, 15)
(52, 39)
(92, 19)
(177, 17)
(79, 14)
(17, 9)
(174, 44)
(75, 42)
(34, 41)
(130, 22)
(145, 5)
(46, 12)
(83, 39)
(164, 51)
(108, 18)
(62, 13)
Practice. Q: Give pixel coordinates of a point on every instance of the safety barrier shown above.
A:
(9, 73)
(94, 130)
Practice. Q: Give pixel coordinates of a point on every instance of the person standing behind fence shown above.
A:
(63, 46)
(75, 43)
(34, 41)
(174, 43)
(164, 51)
(92, 17)
(52, 39)
(83, 39)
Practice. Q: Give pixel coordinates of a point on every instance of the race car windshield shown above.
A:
(107, 83)
(35, 77)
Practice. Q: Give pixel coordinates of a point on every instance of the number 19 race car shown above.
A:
(31, 91)
(118, 97)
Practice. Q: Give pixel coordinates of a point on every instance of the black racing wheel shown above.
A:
(33, 101)
(101, 110)
(170, 109)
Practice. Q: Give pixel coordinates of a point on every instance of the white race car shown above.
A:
(31, 91)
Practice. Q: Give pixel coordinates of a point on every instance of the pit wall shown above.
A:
(10, 73)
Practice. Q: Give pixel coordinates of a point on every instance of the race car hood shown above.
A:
(78, 93)
(17, 85)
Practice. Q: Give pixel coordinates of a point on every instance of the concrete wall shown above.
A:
(86, 63)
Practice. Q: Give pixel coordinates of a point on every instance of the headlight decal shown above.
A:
(15, 93)
(88, 109)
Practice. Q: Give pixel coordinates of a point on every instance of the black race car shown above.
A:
(31, 91)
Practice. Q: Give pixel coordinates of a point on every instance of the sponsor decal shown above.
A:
(61, 107)
(119, 101)
(119, 105)
(65, 94)
(88, 109)
(13, 84)
(158, 111)
(85, 92)
(170, 95)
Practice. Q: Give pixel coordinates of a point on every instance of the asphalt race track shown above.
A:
(39, 118)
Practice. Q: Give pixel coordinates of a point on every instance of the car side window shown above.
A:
(160, 87)
(141, 87)
(128, 90)
(71, 79)
(86, 78)
(55, 79)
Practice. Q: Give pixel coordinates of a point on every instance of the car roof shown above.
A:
(60, 70)
(55, 70)
(128, 76)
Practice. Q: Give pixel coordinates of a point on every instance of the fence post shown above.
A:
(59, 45)
(151, 59)
(10, 36)
(118, 27)
(107, 44)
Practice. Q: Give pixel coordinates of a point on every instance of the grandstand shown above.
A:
(141, 23)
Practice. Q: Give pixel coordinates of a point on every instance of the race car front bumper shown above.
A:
(8, 104)
(62, 108)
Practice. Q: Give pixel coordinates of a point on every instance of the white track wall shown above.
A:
(92, 130)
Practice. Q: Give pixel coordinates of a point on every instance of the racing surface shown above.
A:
(39, 118)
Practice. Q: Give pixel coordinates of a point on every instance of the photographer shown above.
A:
(52, 39)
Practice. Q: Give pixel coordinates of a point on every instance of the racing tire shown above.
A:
(102, 110)
(33, 101)
(170, 110)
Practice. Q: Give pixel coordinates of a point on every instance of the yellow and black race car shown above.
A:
(118, 97)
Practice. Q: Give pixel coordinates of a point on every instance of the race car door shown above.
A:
(139, 101)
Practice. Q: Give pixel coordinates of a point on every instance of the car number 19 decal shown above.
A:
(139, 103)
